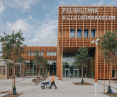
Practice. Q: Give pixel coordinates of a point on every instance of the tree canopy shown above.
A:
(82, 57)
(109, 46)
(12, 46)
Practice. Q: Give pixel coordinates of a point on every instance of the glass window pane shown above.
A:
(42, 53)
(47, 53)
(31, 53)
(72, 32)
(79, 32)
(86, 32)
(28, 53)
(92, 32)
(54, 53)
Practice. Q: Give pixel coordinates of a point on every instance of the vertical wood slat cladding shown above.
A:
(44, 49)
(68, 23)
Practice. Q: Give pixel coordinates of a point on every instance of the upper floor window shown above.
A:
(42, 53)
(86, 32)
(79, 32)
(48, 53)
(31, 53)
(54, 53)
(93, 32)
(28, 53)
(72, 32)
(51, 53)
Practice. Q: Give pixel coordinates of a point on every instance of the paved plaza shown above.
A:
(65, 88)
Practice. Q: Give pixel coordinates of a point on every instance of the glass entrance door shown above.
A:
(76, 74)
(67, 73)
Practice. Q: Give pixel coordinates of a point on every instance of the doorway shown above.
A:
(76, 73)
(67, 73)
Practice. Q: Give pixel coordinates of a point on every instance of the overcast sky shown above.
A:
(37, 19)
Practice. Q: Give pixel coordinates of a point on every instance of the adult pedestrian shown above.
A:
(53, 82)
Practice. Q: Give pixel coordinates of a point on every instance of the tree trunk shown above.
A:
(43, 71)
(39, 72)
(109, 76)
(36, 69)
(14, 72)
(82, 72)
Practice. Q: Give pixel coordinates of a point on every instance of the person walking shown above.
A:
(53, 83)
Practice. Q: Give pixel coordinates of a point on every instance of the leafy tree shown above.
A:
(39, 61)
(12, 47)
(109, 49)
(81, 59)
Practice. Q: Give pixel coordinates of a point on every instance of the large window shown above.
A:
(72, 32)
(114, 73)
(52, 66)
(41, 53)
(51, 53)
(31, 53)
(28, 53)
(86, 32)
(54, 53)
(79, 32)
(93, 32)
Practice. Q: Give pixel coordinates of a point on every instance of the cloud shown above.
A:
(100, 3)
(1, 7)
(30, 17)
(23, 25)
(67, 2)
(23, 5)
(46, 34)
(36, 35)
(113, 3)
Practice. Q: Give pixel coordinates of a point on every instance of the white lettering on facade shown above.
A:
(85, 17)
(113, 17)
(92, 10)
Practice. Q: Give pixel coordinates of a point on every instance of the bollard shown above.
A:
(14, 90)
(109, 90)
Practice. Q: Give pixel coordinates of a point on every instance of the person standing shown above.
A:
(53, 83)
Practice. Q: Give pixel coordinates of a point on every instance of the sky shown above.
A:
(37, 19)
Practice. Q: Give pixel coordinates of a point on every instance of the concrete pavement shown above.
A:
(65, 88)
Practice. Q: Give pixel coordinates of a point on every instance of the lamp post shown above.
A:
(96, 61)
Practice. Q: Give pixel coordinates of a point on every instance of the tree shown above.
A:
(12, 47)
(39, 61)
(81, 59)
(109, 50)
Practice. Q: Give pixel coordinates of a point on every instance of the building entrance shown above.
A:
(76, 73)
(67, 73)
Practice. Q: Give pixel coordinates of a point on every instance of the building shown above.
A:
(77, 27)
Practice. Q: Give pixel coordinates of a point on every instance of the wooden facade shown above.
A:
(100, 18)
(43, 49)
